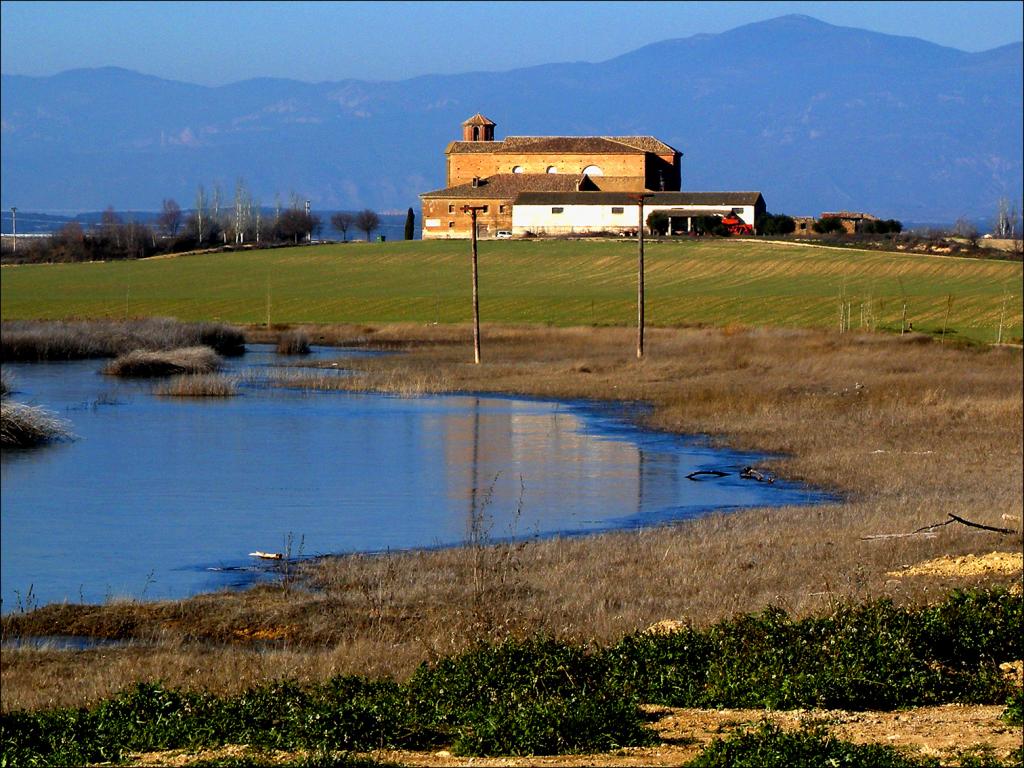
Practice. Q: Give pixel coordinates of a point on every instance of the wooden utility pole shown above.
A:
(640, 278)
(472, 211)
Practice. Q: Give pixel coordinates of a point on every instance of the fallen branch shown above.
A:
(928, 531)
(983, 527)
(709, 472)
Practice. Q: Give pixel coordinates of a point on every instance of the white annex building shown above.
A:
(567, 213)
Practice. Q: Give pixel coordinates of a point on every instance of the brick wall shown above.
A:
(463, 167)
(443, 218)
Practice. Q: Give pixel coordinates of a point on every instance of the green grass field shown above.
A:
(716, 282)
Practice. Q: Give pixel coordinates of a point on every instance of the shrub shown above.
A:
(769, 224)
(769, 746)
(869, 656)
(527, 697)
(1014, 712)
(829, 225)
(293, 343)
(657, 222)
(145, 364)
(27, 426)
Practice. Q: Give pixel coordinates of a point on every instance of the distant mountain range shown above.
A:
(817, 117)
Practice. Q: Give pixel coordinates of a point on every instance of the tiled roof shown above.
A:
(646, 143)
(507, 185)
(478, 119)
(530, 197)
(609, 145)
(849, 215)
(618, 183)
(465, 147)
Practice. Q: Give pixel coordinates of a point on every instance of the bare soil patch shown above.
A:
(966, 566)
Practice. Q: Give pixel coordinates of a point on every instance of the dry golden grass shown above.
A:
(28, 426)
(147, 363)
(908, 430)
(199, 385)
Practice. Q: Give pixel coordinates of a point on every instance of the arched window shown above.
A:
(517, 169)
(552, 169)
(593, 170)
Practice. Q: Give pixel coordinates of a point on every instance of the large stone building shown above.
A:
(564, 185)
(484, 172)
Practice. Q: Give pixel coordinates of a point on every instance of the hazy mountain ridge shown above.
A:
(813, 115)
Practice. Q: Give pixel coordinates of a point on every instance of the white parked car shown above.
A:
(503, 234)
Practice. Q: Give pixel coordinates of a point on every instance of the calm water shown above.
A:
(156, 492)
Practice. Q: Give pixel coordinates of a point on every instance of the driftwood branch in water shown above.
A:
(749, 473)
(929, 530)
(708, 472)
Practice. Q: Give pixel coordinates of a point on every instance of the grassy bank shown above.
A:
(540, 696)
(559, 283)
(83, 339)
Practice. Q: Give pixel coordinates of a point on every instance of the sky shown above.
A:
(213, 43)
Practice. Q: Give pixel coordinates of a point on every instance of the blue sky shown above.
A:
(218, 42)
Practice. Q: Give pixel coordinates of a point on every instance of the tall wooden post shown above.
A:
(640, 279)
(472, 211)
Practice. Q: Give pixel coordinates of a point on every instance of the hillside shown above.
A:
(814, 115)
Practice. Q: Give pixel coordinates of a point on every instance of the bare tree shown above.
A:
(341, 221)
(243, 212)
(967, 230)
(367, 221)
(170, 218)
(110, 226)
(1007, 218)
(200, 211)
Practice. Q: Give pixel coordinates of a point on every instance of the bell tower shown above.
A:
(478, 128)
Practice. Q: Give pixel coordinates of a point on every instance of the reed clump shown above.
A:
(28, 426)
(36, 340)
(142, 363)
(293, 343)
(199, 385)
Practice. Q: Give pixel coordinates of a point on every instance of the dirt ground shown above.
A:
(931, 731)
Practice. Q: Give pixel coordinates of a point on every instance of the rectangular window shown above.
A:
(557, 210)
(618, 210)
(484, 210)
(502, 208)
(451, 224)
(451, 208)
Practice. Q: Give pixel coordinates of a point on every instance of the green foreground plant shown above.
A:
(769, 746)
(542, 696)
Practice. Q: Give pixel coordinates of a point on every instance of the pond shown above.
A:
(166, 497)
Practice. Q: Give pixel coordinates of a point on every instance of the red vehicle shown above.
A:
(735, 225)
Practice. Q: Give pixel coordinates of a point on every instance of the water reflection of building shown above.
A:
(570, 477)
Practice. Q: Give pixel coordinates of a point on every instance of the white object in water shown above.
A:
(267, 555)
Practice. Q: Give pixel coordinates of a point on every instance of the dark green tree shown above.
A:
(410, 225)
(828, 225)
(657, 222)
